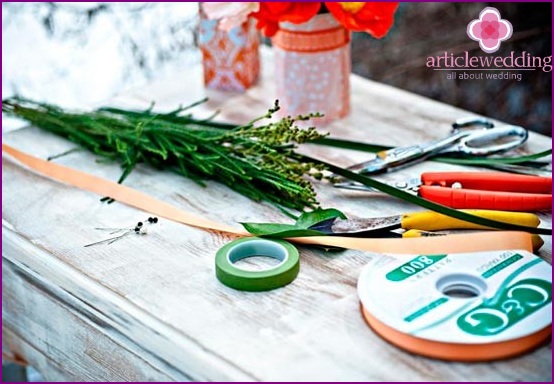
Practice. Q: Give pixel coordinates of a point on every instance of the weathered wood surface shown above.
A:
(150, 307)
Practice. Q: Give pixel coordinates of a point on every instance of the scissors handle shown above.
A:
(488, 141)
(489, 181)
(478, 199)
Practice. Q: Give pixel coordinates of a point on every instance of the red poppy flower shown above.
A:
(373, 18)
(270, 14)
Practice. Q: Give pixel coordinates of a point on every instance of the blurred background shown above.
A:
(50, 50)
(427, 29)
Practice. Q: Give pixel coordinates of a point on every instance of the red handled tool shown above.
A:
(478, 190)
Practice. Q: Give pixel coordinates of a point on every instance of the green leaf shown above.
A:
(307, 219)
(279, 231)
(299, 229)
(347, 144)
(494, 160)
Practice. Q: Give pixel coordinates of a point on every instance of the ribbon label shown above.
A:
(514, 304)
(413, 267)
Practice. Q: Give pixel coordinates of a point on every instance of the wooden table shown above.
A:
(150, 307)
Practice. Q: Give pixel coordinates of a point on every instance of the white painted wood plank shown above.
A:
(89, 325)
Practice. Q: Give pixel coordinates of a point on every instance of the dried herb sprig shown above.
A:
(256, 159)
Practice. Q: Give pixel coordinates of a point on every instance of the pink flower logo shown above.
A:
(489, 30)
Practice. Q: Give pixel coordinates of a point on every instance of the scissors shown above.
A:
(463, 141)
(477, 190)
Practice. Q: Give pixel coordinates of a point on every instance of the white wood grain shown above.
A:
(150, 307)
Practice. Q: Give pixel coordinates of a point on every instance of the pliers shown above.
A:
(477, 190)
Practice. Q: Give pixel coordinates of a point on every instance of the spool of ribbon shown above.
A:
(462, 307)
(244, 280)
(126, 195)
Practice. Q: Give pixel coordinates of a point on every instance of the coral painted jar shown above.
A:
(230, 60)
(312, 67)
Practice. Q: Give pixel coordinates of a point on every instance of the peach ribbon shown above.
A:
(440, 244)
(457, 351)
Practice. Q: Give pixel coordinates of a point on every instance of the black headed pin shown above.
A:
(138, 229)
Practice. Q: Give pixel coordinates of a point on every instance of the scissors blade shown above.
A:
(422, 221)
(360, 227)
(410, 185)
(393, 158)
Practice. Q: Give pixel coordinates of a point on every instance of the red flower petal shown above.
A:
(276, 8)
(270, 14)
(373, 18)
(300, 12)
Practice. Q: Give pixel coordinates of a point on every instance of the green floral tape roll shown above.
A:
(280, 275)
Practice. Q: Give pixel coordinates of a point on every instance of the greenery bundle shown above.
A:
(256, 159)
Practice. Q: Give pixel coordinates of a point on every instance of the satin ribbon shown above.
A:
(457, 351)
(497, 240)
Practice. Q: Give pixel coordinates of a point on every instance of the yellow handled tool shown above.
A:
(419, 224)
(426, 221)
(433, 221)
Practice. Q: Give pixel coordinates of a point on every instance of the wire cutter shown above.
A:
(421, 224)
(477, 190)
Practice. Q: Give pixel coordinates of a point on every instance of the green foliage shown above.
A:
(256, 159)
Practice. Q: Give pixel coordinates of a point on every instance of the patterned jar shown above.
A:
(312, 67)
(230, 60)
